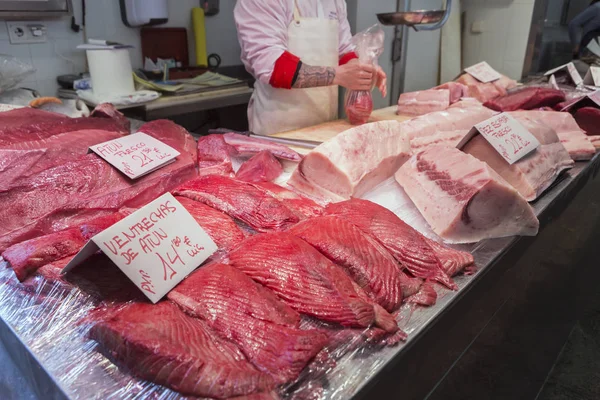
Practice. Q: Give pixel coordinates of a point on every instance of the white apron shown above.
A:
(272, 110)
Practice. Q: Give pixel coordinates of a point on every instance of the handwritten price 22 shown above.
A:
(517, 143)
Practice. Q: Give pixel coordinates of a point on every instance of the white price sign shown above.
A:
(156, 246)
(592, 77)
(510, 139)
(594, 97)
(553, 82)
(136, 155)
(483, 72)
(570, 69)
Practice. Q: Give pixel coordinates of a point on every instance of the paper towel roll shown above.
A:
(200, 36)
(111, 72)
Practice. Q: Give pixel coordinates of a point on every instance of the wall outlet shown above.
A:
(25, 32)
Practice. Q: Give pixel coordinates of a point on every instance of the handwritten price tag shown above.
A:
(136, 155)
(506, 135)
(483, 72)
(570, 69)
(156, 246)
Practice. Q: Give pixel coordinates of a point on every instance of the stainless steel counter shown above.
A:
(439, 336)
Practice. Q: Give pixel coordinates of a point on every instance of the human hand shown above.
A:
(354, 76)
(381, 80)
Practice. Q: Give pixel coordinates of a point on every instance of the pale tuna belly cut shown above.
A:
(450, 138)
(460, 116)
(535, 172)
(423, 102)
(574, 139)
(463, 199)
(353, 162)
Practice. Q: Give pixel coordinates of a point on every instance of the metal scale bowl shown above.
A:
(430, 19)
(420, 20)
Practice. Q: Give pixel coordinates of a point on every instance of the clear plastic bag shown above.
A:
(12, 71)
(368, 46)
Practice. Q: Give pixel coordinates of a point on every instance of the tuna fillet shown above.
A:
(249, 146)
(459, 117)
(28, 124)
(252, 317)
(407, 245)
(450, 138)
(214, 156)
(528, 98)
(162, 344)
(20, 161)
(486, 91)
(300, 205)
(457, 90)
(353, 162)
(463, 199)
(219, 226)
(588, 119)
(423, 102)
(26, 257)
(479, 90)
(240, 200)
(535, 172)
(307, 281)
(75, 192)
(172, 135)
(262, 167)
(363, 259)
(453, 261)
(574, 139)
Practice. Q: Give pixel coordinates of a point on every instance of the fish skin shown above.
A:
(406, 244)
(239, 200)
(306, 280)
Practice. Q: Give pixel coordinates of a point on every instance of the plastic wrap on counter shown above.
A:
(368, 46)
(51, 317)
(12, 72)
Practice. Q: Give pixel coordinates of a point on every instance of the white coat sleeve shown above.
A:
(345, 38)
(262, 31)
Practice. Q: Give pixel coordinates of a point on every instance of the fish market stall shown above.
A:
(517, 304)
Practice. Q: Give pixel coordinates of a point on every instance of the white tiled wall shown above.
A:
(503, 41)
(58, 56)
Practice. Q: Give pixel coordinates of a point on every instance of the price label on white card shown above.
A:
(483, 72)
(136, 155)
(553, 82)
(510, 139)
(569, 69)
(592, 77)
(590, 99)
(156, 246)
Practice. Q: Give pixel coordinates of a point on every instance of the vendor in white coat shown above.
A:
(299, 51)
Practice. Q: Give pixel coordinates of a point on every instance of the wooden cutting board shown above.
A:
(326, 131)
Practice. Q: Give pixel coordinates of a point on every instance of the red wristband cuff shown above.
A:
(284, 71)
(345, 58)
